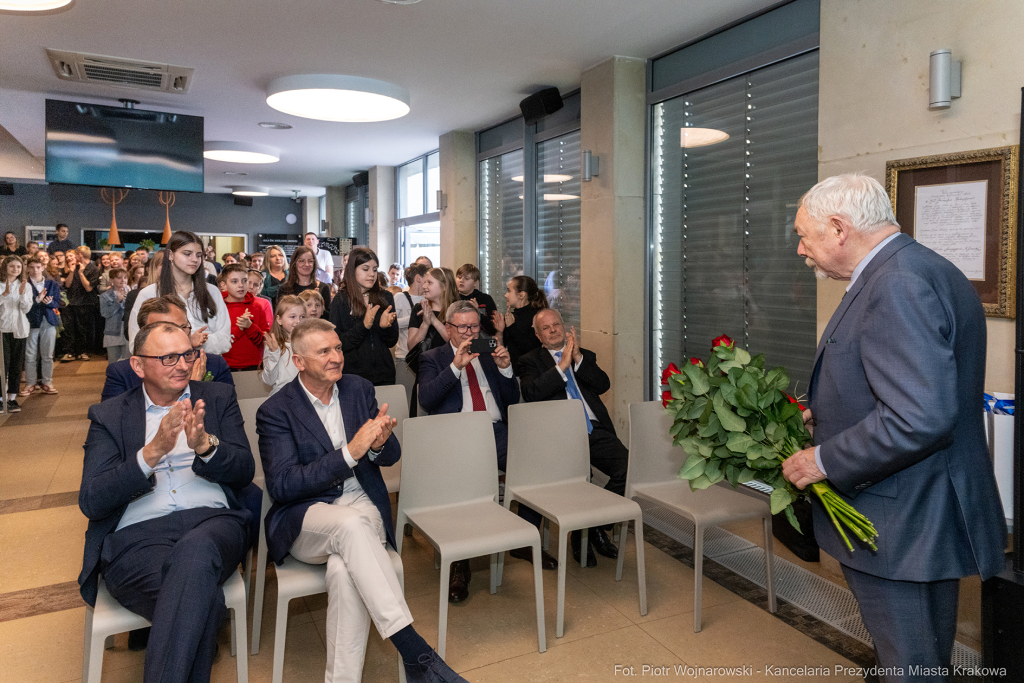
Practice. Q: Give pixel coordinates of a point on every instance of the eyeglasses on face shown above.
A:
(171, 359)
(465, 329)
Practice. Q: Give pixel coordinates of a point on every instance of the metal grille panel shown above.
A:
(111, 74)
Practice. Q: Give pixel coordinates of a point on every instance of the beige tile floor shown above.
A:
(491, 638)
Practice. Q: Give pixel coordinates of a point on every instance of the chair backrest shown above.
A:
(248, 407)
(448, 459)
(249, 385)
(398, 405)
(547, 442)
(652, 456)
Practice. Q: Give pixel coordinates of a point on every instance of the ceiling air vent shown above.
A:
(124, 73)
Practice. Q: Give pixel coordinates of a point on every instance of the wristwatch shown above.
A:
(214, 442)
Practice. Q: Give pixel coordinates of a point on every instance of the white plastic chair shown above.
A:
(249, 385)
(398, 408)
(549, 470)
(654, 463)
(450, 494)
(109, 618)
(248, 408)
(297, 579)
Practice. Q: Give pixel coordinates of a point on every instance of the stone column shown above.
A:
(336, 210)
(457, 152)
(382, 204)
(311, 215)
(612, 228)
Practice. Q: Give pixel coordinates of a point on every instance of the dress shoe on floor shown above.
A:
(458, 584)
(546, 560)
(431, 669)
(600, 542)
(138, 639)
(575, 543)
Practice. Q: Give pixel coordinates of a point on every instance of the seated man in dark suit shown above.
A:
(563, 370)
(323, 441)
(170, 309)
(162, 464)
(453, 380)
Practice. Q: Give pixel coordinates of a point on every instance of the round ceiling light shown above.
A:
(32, 5)
(249, 191)
(701, 137)
(331, 97)
(548, 178)
(241, 152)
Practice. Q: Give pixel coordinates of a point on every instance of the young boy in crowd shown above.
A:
(250, 318)
(254, 281)
(467, 279)
(314, 303)
(112, 309)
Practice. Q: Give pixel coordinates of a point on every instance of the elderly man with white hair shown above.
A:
(895, 400)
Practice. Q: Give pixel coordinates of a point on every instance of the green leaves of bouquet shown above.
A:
(736, 423)
(735, 420)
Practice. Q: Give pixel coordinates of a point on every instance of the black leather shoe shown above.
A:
(138, 639)
(458, 584)
(600, 542)
(546, 560)
(431, 669)
(575, 542)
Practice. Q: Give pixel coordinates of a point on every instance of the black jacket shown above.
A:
(367, 351)
(487, 307)
(519, 338)
(540, 381)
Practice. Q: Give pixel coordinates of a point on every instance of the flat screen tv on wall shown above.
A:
(92, 144)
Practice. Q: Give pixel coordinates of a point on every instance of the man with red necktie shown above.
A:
(453, 380)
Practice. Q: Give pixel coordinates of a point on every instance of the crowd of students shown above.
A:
(59, 304)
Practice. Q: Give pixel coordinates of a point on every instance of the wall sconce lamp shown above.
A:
(442, 201)
(591, 165)
(944, 79)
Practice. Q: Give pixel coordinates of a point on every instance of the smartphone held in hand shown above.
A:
(486, 346)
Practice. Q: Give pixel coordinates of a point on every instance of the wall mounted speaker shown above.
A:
(540, 104)
(361, 179)
(6, 188)
(243, 201)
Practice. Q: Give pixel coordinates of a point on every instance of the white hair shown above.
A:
(460, 306)
(856, 197)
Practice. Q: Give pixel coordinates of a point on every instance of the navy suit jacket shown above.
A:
(541, 381)
(121, 377)
(897, 394)
(111, 477)
(441, 391)
(303, 467)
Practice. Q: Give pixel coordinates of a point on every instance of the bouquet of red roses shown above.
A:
(736, 423)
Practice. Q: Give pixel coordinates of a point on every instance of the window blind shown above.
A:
(724, 259)
(558, 224)
(501, 221)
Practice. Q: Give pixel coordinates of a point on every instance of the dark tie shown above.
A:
(574, 391)
(474, 389)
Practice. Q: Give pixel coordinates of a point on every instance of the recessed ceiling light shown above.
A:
(401, 2)
(235, 173)
(274, 125)
(701, 137)
(548, 178)
(241, 152)
(249, 191)
(559, 197)
(32, 5)
(331, 97)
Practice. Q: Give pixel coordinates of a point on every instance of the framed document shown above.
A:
(964, 207)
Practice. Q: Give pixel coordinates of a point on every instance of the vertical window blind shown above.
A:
(558, 224)
(501, 221)
(724, 258)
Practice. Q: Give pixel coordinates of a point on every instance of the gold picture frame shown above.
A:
(998, 167)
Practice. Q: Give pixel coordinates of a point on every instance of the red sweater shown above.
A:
(247, 345)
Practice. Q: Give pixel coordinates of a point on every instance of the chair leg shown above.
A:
(442, 610)
(584, 537)
(698, 573)
(769, 564)
(501, 569)
(546, 540)
(538, 591)
(87, 645)
(560, 613)
(402, 522)
(94, 672)
(234, 633)
(641, 567)
(437, 559)
(280, 632)
(260, 567)
(238, 644)
(494, 571)
(622, 553)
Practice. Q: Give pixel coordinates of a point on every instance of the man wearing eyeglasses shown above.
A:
(453, 380)
(163, 464)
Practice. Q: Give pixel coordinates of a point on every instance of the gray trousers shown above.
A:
(912, 623)
(41, 341)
